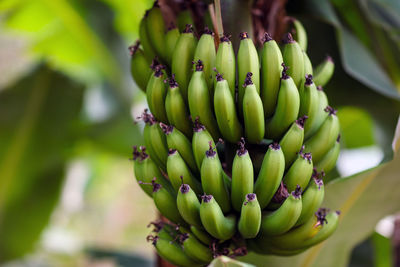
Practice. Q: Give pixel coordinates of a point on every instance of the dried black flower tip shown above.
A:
(285, 76)
(306, 156)
(239, 252)
(220, 141)
(266, 38)
(143, 155)
(206, 198)
(158, 71)
(199, 65)
(158, 225)
(248, 80)
(135, 153)
(318, 182)
(242, 150)
(182, 237)
(329, 58)
(297, 192)
(319, 88)
(338, 138)
(134, 48)
(321, 216)
(243, 35)
(281, 194)
(207, 31)
(309, 80)
(338, 212)
(330, 110)
(288, 39)
(188, 28)
(250, 197)
(152, 238)
(184, 188)
(275, 146)
(218, 76)
(197, 126)
(211, 151)
(147, 117)
(171, 151)
(317, 175)
(301, 121)
(172, 82)
(155, 63)
(167, 129)
(225, 38)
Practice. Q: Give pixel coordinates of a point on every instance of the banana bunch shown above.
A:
(236, 145)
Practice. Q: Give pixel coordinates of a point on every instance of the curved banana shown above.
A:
(144, 38)
(308, 68)
(173, 253)
(301, 34)
(182, 59)
(287, 108)
(214, 221)
(250, 217)
(225, 111)
(253, 114)
(299, 174)
(195, 249)
(200, 142)
(320, 116)
(175, 107)
(328, 162)
(242, 176)
(225, 63)
(201, 235)
(139, 66)
(155, 28)
(188, 205)
(324, 71)
(205, 51)
(270, 175)
(293, 58)
(156, 93)
(171, 38)
(200, 104)
(292, 141)
(309, 102)
(271, 69)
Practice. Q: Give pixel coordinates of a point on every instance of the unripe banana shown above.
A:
(247, 60)
(176, 109)
(139, 66)
(270, 175)
(271, 69)
(156, 93)
(225, 63)
(201, 235)
(177, 140)
(225, 111)
(324, 139)
(182, 59)
(312, 199)
(308, 69)
(300, 172)
(155, 28)
(253, 113)
(287, 108)
(250, 217)
(188, 205)
(212, 179)
(171, 38)
(292, 141)
(138, 170)
(309, 102)
(293, 58)
(328, 162)
(301, 34)
(242, 177)
(195, 249)
(200, 104)
(144, 38)
(205, 51)
(324, 71)
(200, 142)
(184, 18)
(284, 218)
(178, 172)
(214, 221)
(320, 116)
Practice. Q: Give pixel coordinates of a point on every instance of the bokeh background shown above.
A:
(68, 107)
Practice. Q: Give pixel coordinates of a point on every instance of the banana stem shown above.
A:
(220, 27)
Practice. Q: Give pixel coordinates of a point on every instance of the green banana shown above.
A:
(287, 108)
(195, 249)
(200, 142)
(177, 140)
(324, 71)
(271, 69)
(284, 218)
(184, 18)
(270, 175)
(178, 172)
(182, 59)
(312, 198)
(156, 93)
(247, 60)
(293, 58)
(225, 111)
(214, 221)
(205, 51)
(212, 179)
(308, 69)
(292, 141)
(242, 176)
(250, 217)
(144, 38)
(139, 66)
(200, 104)
(171, 38)
(188, 205)
(155, 28)
(201, 235)
(320, 116)
(309, 102)
(301, 34)
(253, 114)
(328, 161)
(324, 139)
(225, 63)
(300, 172)
(176, 109)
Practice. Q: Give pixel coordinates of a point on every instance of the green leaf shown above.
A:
(38, 118)
(224, 261)
(363, 199)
